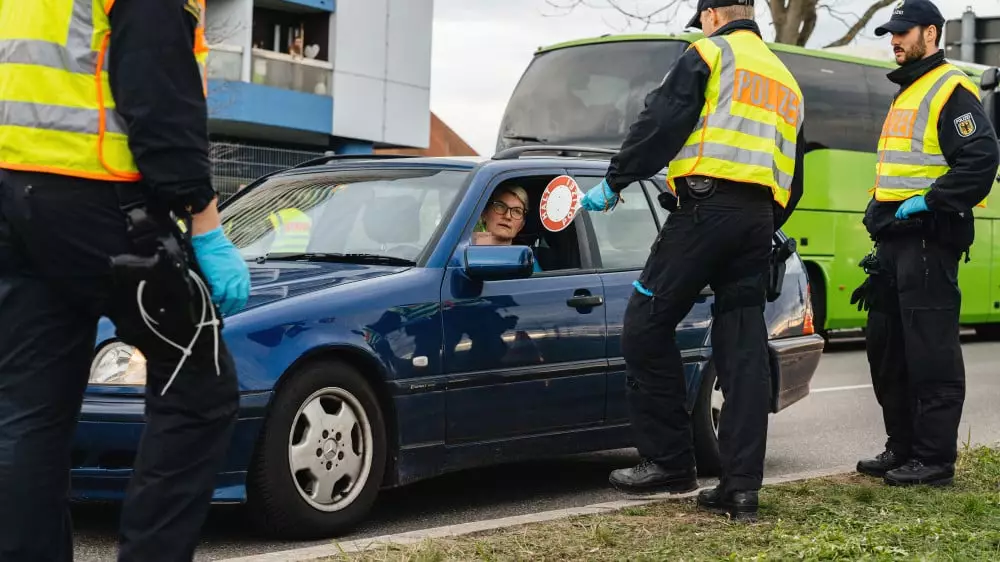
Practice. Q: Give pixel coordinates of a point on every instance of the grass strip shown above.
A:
(849, 517)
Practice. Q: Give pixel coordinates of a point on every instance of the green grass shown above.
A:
(850, 517)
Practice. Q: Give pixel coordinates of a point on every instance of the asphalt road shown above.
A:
(836, 424)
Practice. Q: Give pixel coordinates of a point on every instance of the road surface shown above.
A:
(834, 426)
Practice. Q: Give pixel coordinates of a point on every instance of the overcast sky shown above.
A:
(481, 47)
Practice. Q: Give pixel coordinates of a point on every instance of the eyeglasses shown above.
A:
(501, 208)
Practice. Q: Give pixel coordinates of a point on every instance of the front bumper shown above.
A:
(107, 439)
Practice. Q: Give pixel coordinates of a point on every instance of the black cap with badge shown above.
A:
(908, 14)
(706, 4)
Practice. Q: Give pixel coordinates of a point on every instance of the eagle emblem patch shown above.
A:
(965, 125)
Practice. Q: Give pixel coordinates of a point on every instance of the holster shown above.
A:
(779, 255)
(162, 260)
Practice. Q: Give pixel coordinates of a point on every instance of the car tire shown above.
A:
(704, 420)
(988, 332)
(348, 456)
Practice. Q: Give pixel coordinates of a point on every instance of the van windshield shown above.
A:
(585, 95)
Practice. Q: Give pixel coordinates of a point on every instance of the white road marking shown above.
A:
(839, 388)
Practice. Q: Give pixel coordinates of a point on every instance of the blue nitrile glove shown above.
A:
(913, 205)
(226, 272)
(599, 197)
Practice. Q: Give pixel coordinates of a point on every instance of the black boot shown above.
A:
(915, 472)
(650, 478)
(740, 505)
(885, 461)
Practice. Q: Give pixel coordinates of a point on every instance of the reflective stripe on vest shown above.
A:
(909, 149)
(57, 112)
(751, 119)
(292, 230)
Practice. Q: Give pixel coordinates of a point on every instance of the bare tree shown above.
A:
(794, 20)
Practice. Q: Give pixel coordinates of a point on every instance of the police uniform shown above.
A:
(728, 119)
(937, 161)
(104, 111)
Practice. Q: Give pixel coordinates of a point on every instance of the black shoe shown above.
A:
(650, 478)
(885, 461)
(915, 472)
(740, 505)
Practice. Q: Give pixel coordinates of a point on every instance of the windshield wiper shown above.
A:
(341, 258)
(527, 138)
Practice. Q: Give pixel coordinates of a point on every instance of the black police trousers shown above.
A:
(914, 350)
(56, 237)
(724, 242)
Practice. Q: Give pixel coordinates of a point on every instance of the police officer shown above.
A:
(938, 158)
(104, 117)
(727, 118)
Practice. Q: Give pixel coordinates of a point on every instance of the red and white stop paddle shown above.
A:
(561, 202)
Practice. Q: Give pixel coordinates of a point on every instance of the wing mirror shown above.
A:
(989, 79)
(491, 263)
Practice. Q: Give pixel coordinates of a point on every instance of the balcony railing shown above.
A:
(284, 71)
(225, 62)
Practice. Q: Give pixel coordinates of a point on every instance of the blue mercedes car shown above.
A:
(381, 347)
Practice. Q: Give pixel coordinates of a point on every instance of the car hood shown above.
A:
(277, 280)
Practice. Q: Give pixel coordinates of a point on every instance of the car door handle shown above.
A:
(585, 301)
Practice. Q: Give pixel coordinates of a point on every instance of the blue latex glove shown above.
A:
(225, 270)
(913, 205)
(599, 197)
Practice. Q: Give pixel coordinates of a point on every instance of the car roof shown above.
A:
(516, 158)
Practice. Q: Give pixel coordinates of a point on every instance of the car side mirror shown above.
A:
(989, 79)
(492, 263)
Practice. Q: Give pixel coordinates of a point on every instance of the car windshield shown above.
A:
(382, 216)
(585, 95)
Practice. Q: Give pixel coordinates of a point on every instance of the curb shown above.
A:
(414, 537)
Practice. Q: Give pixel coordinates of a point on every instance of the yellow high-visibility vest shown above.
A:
(58, 111)
(292, 230)
(909, 150)
(751, 119)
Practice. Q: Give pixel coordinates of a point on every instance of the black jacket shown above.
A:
(671, 114)
(158, 92)
(973, 163)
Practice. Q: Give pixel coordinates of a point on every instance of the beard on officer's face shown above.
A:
(911, 49)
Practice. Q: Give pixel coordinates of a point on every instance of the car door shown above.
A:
(525, 356)
(623, 239)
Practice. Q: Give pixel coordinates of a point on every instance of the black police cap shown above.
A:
(908, 14)
(706, 4)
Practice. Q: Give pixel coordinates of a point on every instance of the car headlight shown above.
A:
(118, 364)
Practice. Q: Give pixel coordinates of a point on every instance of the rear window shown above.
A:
(586, 95)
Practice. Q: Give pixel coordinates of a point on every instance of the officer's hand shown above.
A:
(913, 205)
(225, 270)
(859, 296)
(599, 198)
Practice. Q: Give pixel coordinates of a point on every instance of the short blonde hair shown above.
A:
(516, 191)
(733, 13)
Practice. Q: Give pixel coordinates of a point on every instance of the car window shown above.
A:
(389, 212)
(625, 234)
(654, 192)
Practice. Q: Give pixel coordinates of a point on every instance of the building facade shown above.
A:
(293, 79)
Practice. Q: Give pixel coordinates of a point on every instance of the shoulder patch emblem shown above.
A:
(965, 125)
(193, 8)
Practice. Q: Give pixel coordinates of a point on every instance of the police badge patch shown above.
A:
(965, 125)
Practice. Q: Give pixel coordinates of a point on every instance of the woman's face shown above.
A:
(505, 217)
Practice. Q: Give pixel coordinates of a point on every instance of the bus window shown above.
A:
(881, 93)
(585, 95)
(838, 115)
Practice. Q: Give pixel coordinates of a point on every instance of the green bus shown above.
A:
(587, 93)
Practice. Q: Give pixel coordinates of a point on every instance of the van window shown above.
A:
(587, 95)
(837, 105)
